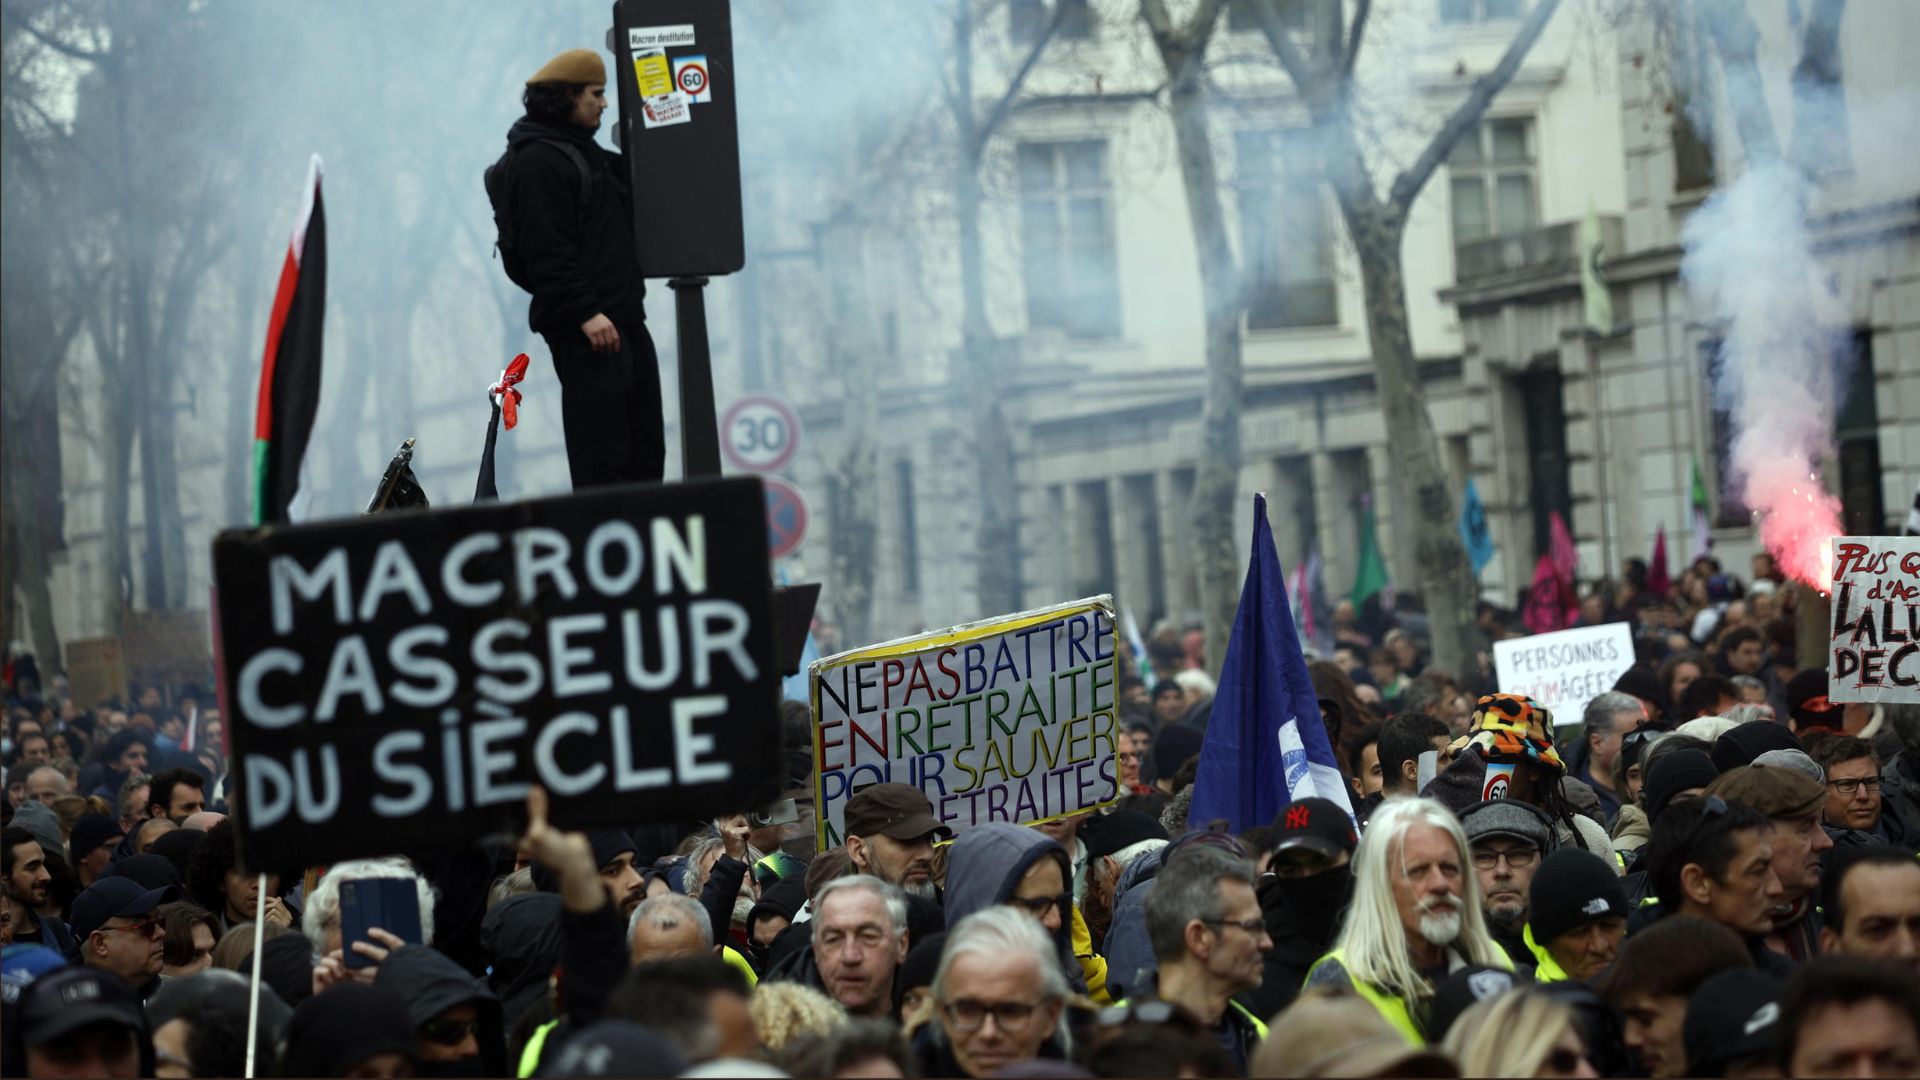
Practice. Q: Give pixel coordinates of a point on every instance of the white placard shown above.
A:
(1565, 669)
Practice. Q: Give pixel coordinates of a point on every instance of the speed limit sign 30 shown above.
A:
(760, 433)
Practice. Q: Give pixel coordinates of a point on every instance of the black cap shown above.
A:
(1317, 825)
(116, 898)
(1464, 989)
(610, 844)
(1642, 682)
(1740, 745)
(616, 1048)
(1571, 889)
(92, 832)
(73, 997)
(1733, 1014)
(149, 871)
(1673, 773)
(1109, 833)
(897, 811)
(1807, 702)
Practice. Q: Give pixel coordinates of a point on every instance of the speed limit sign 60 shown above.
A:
(760, 433)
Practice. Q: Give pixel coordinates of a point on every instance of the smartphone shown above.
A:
(392, 904)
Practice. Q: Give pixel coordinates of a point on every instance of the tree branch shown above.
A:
(1406, 186)
(1300, 68)
(984, 131)
(74, 51)
(1354, 36)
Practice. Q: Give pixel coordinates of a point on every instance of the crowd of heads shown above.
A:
(1709, 870)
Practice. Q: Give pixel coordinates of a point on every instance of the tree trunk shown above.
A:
(854, 501)
(1446, 580)
(1217, 474)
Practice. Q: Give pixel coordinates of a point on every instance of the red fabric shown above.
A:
(504, 391)
(1550, 602)
(1658, 582)
(1566, 560)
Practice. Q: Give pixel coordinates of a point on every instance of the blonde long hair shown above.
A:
(1373, 941)
(1509, 1035)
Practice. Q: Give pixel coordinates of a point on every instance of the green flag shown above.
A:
(1371, 577)
(1702, 515)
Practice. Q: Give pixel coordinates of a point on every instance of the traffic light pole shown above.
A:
(699, 424)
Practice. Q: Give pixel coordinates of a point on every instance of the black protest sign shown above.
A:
(396, 682)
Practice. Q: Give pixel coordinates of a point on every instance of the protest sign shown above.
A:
(1012, 719)
(96, 671)
(1565, 669)
(394, 683)
(1875, 652)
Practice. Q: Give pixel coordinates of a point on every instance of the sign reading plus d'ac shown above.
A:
(397, 682)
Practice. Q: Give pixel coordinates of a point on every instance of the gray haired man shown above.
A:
(1210, 942)
(860, 941)
(1607, 720)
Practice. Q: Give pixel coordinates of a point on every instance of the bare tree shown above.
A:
(1376, 219)
(1183, 52)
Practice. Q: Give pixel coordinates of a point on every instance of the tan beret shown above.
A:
(582, 66)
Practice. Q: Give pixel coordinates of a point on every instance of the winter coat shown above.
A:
(985, 867)
(432, 984)
(523, 935)
(1128, 950)
(580, 260)
(1303, 917)
(1631, 830)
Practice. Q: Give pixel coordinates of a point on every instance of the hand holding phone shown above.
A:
(384, 904)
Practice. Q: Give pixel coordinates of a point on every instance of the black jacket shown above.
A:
(579, 259)
(432, 984)
(1303, 917)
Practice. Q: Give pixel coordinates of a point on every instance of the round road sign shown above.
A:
(787, 518)
(760, 433)
(693, 79)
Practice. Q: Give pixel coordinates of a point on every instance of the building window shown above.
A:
(1285, 233)
(1477, 11)
(1493, 182)
(1727, 509)
(1067, 239)
(1856, 430)
(1245, 15)
(1692, 155)
(1028, 19)
(1550, 479)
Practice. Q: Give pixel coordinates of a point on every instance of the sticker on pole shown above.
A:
(760, 433)
(677, 36)
(787, 518)
(665, 110)
(690, 78)
(650, 71)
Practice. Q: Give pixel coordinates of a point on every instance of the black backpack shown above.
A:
(506, 243)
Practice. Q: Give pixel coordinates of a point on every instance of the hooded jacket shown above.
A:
(332, 1032)
(432, 984)
(985, 868)
(1631, 830)
(522, 933)
(1128, 950)
(580, 260)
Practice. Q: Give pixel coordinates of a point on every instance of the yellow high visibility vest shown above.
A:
(1391, 1008)
(1549, 969)
(530, 1056)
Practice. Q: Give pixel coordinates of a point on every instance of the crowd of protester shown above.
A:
(1679, 882)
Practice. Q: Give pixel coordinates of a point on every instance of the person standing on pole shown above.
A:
(563, 210)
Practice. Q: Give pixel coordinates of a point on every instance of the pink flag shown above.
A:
(1658, 583)
(1566, 560)
(1547, 600)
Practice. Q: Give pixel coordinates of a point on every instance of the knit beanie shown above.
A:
(1571, 889)
(1774, 791)
(1749, 740)
(1674, 773)
(579, 66)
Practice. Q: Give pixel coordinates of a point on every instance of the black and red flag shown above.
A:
(290, 369)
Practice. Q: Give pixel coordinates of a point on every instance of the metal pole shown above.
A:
(699, 425)
(253, 994)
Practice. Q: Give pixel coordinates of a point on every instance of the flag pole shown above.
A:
(253, 993)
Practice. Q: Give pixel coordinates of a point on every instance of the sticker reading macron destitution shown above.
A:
(676, 36)
(1012, 719)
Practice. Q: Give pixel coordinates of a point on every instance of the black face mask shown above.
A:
(1314, 903)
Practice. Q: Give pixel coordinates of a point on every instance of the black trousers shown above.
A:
(610, 405)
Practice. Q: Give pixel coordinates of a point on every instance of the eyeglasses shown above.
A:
(1519, 858)
(1038, 906)
(1255, 926)
(1149, 1012)
(449, 1032)
(1852, 786)
(1011, 1017)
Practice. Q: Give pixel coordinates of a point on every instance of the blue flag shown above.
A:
(1474, 531)
(1266, 745)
